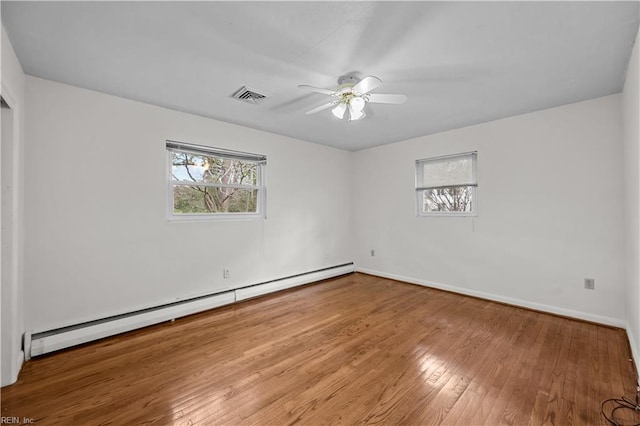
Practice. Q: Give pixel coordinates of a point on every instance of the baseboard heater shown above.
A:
(53, 340)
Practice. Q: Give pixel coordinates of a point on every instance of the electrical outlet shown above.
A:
(590, 283)
(225, 273)
(373, 253)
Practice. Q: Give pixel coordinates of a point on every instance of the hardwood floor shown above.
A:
(355, 349)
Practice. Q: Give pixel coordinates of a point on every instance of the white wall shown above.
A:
(97, 240)
(631, 158)
(549, 212)
(12, 89)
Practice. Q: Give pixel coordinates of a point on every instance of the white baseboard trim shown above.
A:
(616, 322)
(53, 340)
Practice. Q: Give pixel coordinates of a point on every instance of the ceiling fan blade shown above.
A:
(382, 98)
(320, 108)
(367, 84)
(316, 89)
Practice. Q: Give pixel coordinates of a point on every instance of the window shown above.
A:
(209, 182)
(446, 186)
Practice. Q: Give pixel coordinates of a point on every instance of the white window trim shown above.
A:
(419, 189)
(261, 204)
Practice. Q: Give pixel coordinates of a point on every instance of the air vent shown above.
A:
(245, 94)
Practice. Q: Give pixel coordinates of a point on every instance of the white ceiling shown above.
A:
(460, 63)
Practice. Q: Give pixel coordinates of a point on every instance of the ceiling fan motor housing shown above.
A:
(347, 81)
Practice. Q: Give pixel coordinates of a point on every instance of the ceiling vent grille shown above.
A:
(250, 96)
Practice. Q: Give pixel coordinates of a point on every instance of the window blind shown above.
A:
(446, 172)
(216, 152)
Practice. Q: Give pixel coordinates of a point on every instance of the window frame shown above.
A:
(419, 179)
(260, 187)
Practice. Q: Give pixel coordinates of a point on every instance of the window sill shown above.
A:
(459, 216)
(217, 218)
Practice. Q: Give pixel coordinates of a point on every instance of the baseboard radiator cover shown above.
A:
(41, 343)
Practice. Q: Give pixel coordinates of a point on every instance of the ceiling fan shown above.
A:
(352, 95)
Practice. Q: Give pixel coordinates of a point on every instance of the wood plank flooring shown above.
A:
(352, 350)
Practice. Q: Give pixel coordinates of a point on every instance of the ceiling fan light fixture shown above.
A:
(338, 111)
(356, 108)
(356, 111)
(357, 103)
(358, 118)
